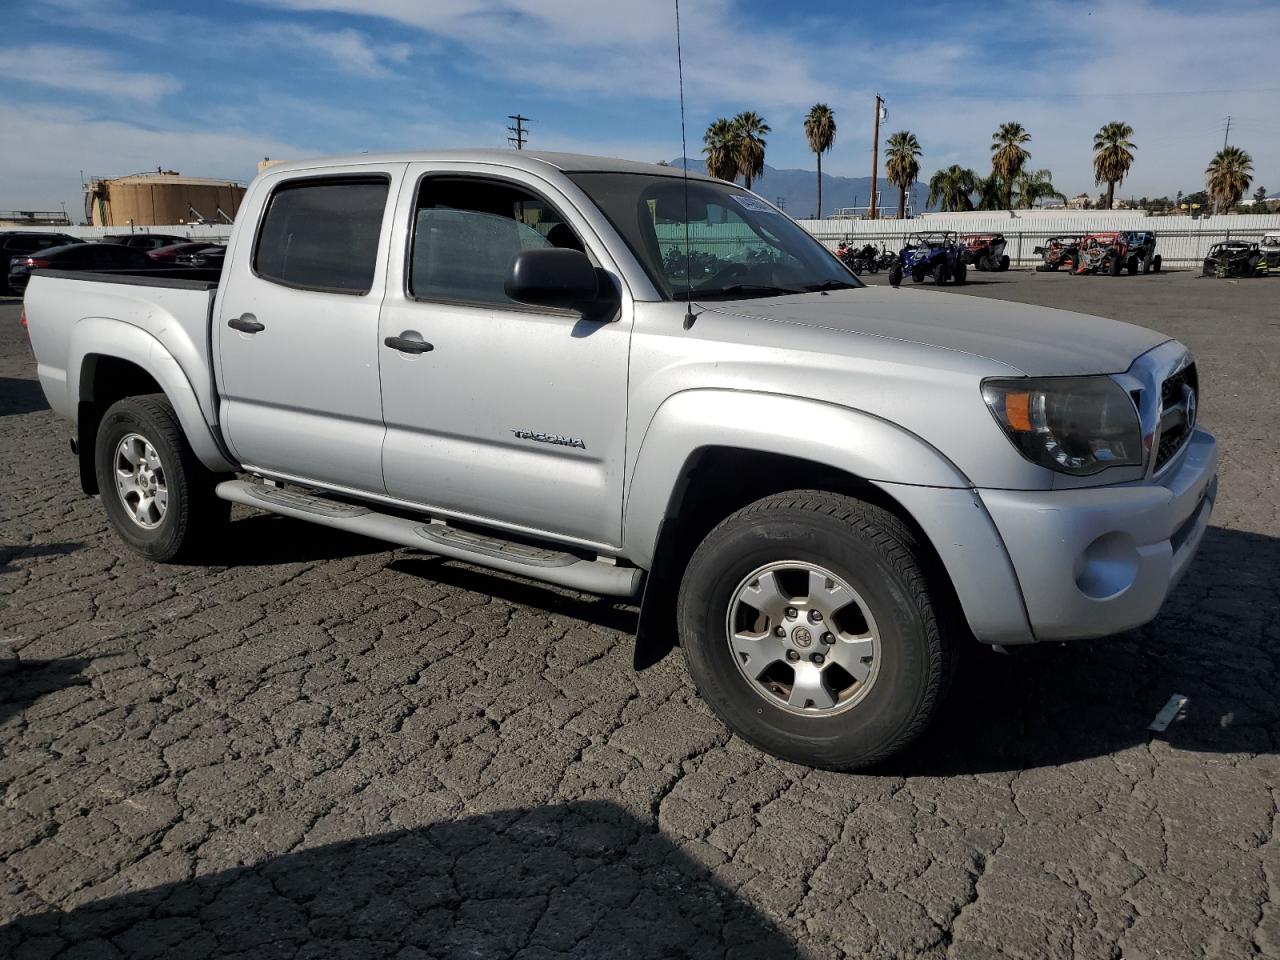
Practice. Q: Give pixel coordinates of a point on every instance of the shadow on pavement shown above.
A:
(27, 550)
(18, 395)
(585, 880)
(23, 682)
(264, 539)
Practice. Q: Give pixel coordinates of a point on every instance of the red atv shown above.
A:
(985, 250)
(1109, 253)
(1059, 253)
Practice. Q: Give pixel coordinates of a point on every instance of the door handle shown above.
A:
(408, 345)
(246, 323)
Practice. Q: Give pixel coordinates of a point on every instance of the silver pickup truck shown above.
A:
(601, 375)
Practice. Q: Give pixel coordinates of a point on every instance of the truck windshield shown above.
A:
(739, 246)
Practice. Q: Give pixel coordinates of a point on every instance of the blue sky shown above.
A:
(118, 86)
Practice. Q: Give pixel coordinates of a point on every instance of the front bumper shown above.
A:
(1096, 561)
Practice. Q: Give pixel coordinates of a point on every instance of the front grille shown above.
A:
(1172, 439)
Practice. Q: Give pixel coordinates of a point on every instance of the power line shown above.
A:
(521, 135)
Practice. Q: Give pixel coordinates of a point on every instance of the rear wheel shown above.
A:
(1133, 265)
(158, 496)
(1004, 261)
(810, 630)
(1155, 263)
(984, 262)
(940, 273)
(1114, 266)
(961, 273)
(917, 274)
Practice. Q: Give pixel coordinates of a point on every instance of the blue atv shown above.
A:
(936, 255)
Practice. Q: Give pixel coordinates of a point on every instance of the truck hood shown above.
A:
(1038, 341)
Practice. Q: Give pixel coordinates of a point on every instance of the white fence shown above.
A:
(213, 232)
(1179, 240)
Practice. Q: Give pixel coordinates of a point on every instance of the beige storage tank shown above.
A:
(163, 198)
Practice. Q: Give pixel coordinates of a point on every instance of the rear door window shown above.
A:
(322, 234)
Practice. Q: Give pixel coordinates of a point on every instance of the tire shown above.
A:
(961, 273)
(1004, 262)
(876, 556)
(1132, 265)
(873, 267)
(1114, 269)
(984, 263)
(940, 273)
(191, 511)
(917, 275)
(1070, 263)
(1155, 263)
(895, 275)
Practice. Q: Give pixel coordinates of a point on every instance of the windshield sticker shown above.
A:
(752, 203)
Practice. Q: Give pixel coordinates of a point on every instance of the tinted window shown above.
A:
(322, 234)
(467, 232)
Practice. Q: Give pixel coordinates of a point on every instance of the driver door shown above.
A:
(516, 415)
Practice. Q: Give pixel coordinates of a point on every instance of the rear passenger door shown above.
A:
(296, 328)
(517, 415)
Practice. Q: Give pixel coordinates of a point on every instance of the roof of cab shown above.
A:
(531, 160)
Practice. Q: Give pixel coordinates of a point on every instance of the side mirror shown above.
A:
(554, 277)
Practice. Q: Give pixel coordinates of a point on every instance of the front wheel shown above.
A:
(940, 273)
(810, 629)
(895, 275)
(961, 274)
(158, 496)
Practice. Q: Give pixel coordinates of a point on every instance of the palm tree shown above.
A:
(1034, 186)
(1228, 176)
(901, 166)
(991, 193)
(722, 160)
(749, 130)
(820, 131)
(1009, 156)
(953, 188)
(1112, 156)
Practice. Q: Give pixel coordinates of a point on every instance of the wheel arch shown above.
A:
(110, 360)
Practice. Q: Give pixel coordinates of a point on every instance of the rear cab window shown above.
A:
(322, 233)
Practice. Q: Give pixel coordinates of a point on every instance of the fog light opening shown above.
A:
(1107, 567)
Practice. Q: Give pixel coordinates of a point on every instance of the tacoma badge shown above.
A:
(550, 438)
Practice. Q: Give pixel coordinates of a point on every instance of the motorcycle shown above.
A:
(858, 259)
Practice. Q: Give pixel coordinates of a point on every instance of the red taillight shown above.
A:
(34, 262)
(22, 319)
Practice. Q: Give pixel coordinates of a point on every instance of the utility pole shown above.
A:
(521, 135)
(1226, 133)
(875, 156)
(780, 203)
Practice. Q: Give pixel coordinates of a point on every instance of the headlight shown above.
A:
(1075, 425)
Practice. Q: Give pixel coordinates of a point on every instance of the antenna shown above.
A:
(689, 315)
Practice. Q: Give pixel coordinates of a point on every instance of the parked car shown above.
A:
(1111, 252)
(936, 255)
(1059, 253)
(205, 256)
(1270, 247)
(144, 241)
(23, 243)
(985, 250)
(77, 256)
(823, 490)
(171, 253)
(1234, 258)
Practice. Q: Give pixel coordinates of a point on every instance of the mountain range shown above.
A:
(798, 190)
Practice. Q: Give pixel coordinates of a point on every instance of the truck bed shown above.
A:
(183, 278)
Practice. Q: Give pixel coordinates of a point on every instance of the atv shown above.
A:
(1059, 253)
(1235, 258)
(1270, 248)
(936, 255)
(858, 259)
(1110, 253)
(985, 250)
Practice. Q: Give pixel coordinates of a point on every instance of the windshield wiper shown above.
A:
(830, 285)
(750, 290)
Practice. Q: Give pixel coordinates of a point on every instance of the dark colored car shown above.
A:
(203, 256)
(23, 243)
(1059, 253)
(78, 256)
(144, 241)
(936, 255)
(169, 255)
(1235, 258)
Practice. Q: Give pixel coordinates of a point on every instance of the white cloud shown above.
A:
(347, 50)
(83, 71)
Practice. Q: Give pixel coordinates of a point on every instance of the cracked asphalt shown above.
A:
(314, 746)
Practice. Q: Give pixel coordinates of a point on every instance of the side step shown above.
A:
(537, 563)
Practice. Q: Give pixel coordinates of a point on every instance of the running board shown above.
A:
(537, 563)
